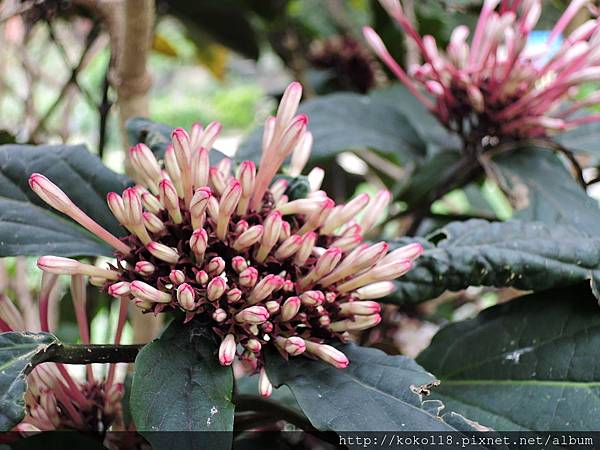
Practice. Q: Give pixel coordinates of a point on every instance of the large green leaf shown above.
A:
(529, 364)
(30, 227)
(16, 352)
(179, 385)
(525, 255)
(546, 190)
(351, 122)
(157, 136)
(583, 139)
(376, 392)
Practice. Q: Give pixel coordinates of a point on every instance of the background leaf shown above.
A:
(524, 255)
(373, 393)
(30, 227)
(546, 190)
(16, 351)
(351, 122)
(529, 364)
(179, 385)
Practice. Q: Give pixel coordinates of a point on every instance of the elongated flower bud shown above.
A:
(253, 315)
(328, 354)
(186, 296)
(119, 289)
(219, 315)
(290, 308)
(365, 308)
(67, 266)
(408, 252)
(247, 177)
(151, 203)
(170, 198)
(152, 223)
(308, 244)
(312, 298)
(248, 277)
(11, 315)
(200, 167)
(198, 205)
(227, 350)
(229, 201)
(216, 288)
(378, 273)
(290, 246)
(293, 345)
(248, 238)
(144, 268)
(163, 252)
(358, 323)
(198, 243)
(264, 384)
(375, 290)
(146, 292)
(271, 230)
(264, 288)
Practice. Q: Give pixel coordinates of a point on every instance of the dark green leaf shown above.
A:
(376, 392)
(157, 136)
(547, 192)
(226, 21)
(30, 227)
(179, 385)
(341, 122)
(59, 440)
(16, 351)
(583, 139)
(529, 364)
(525, 255)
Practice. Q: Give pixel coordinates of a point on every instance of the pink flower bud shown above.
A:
(68, 266)
(359, 322)
(173, 170)
(325, 320)
(132, 207)
(199, 204)
(312, 298)
(248, 238)
(239, 263)
(343, 215)
(198, 243)
(308, 244)
(163, 252)
(410, 252)
(115, 204)
(151, 203)
(149, 293)
(375, 290)
(272, 306)
(355, 263)
(290, 308)
(264, 288)
(253, 345)
(229, 201)
(328, 354)
(213, 208)
(294, 345)
(289, 103)
(301, 155)
(241, 226)
(201, 277)
(247, 177)
(215, 266)
(144, 162)
(186, 296)
(216, 288)
(365, 308)
(211, 132)
(152, 223)
(278, 188)
(11, 315)
(234, 295)
(170, 198)
(200, 167)
(253, 315)
(288, 286)
(267, 327)
(181, 145)
(227, 350)
(219, 315)
(119, 289)
(177, 277)
(383, 272)
(144, 268)
(248, 277)
(265, 388)
(272, 228)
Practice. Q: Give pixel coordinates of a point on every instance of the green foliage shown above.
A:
(30, 227)
(528, 364)
(179, 385)
(16, 353)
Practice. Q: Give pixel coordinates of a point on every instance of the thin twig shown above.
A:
(85, 354)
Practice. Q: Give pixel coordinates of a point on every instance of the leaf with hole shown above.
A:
(529, 364)
(179, 385)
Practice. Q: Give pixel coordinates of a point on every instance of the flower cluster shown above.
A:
(496, 85)
(57, 399)
(234, 252)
